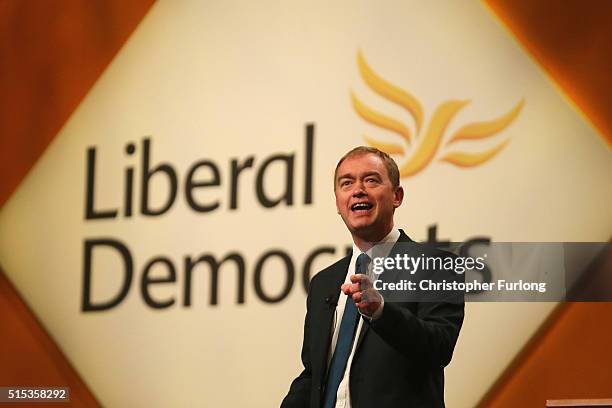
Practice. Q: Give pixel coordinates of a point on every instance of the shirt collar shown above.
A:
(382, 248)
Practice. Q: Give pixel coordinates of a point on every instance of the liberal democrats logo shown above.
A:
(416, 152)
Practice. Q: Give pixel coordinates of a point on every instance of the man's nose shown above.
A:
(358, 189)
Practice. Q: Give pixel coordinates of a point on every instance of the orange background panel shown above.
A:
(570, 356)
(571, 359)
(572, 41)
(52, 54)
(28, 355)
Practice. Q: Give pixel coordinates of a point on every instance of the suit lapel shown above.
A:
(330, 288)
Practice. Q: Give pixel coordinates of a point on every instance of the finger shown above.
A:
(355, 287)
(371, 295)
(364, 281)
(357, 278)
(363, 306)
(367, 306)
(346, 288)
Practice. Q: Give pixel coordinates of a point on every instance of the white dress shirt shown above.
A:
(381, 249)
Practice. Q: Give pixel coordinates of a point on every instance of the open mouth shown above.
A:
(361, 207)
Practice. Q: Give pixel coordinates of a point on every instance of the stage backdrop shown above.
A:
(165, 236)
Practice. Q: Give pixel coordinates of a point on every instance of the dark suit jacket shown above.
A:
(400, 357)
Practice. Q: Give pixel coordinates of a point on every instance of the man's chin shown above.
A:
(363, 230)
(369, 232)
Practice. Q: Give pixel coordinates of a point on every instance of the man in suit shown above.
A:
(363, 348)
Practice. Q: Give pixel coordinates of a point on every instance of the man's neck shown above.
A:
(366, 242)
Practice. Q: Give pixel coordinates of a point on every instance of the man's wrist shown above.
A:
(377, 313)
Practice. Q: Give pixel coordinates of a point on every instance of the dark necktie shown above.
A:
(344, 342)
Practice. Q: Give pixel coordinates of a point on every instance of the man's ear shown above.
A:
(398, 196)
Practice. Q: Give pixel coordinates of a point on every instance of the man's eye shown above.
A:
(345, 183)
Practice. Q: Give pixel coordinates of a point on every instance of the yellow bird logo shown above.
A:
(417, 152)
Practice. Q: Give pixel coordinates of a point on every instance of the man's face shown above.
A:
(365, 198)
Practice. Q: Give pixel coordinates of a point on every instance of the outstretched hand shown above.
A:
(362, 291)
